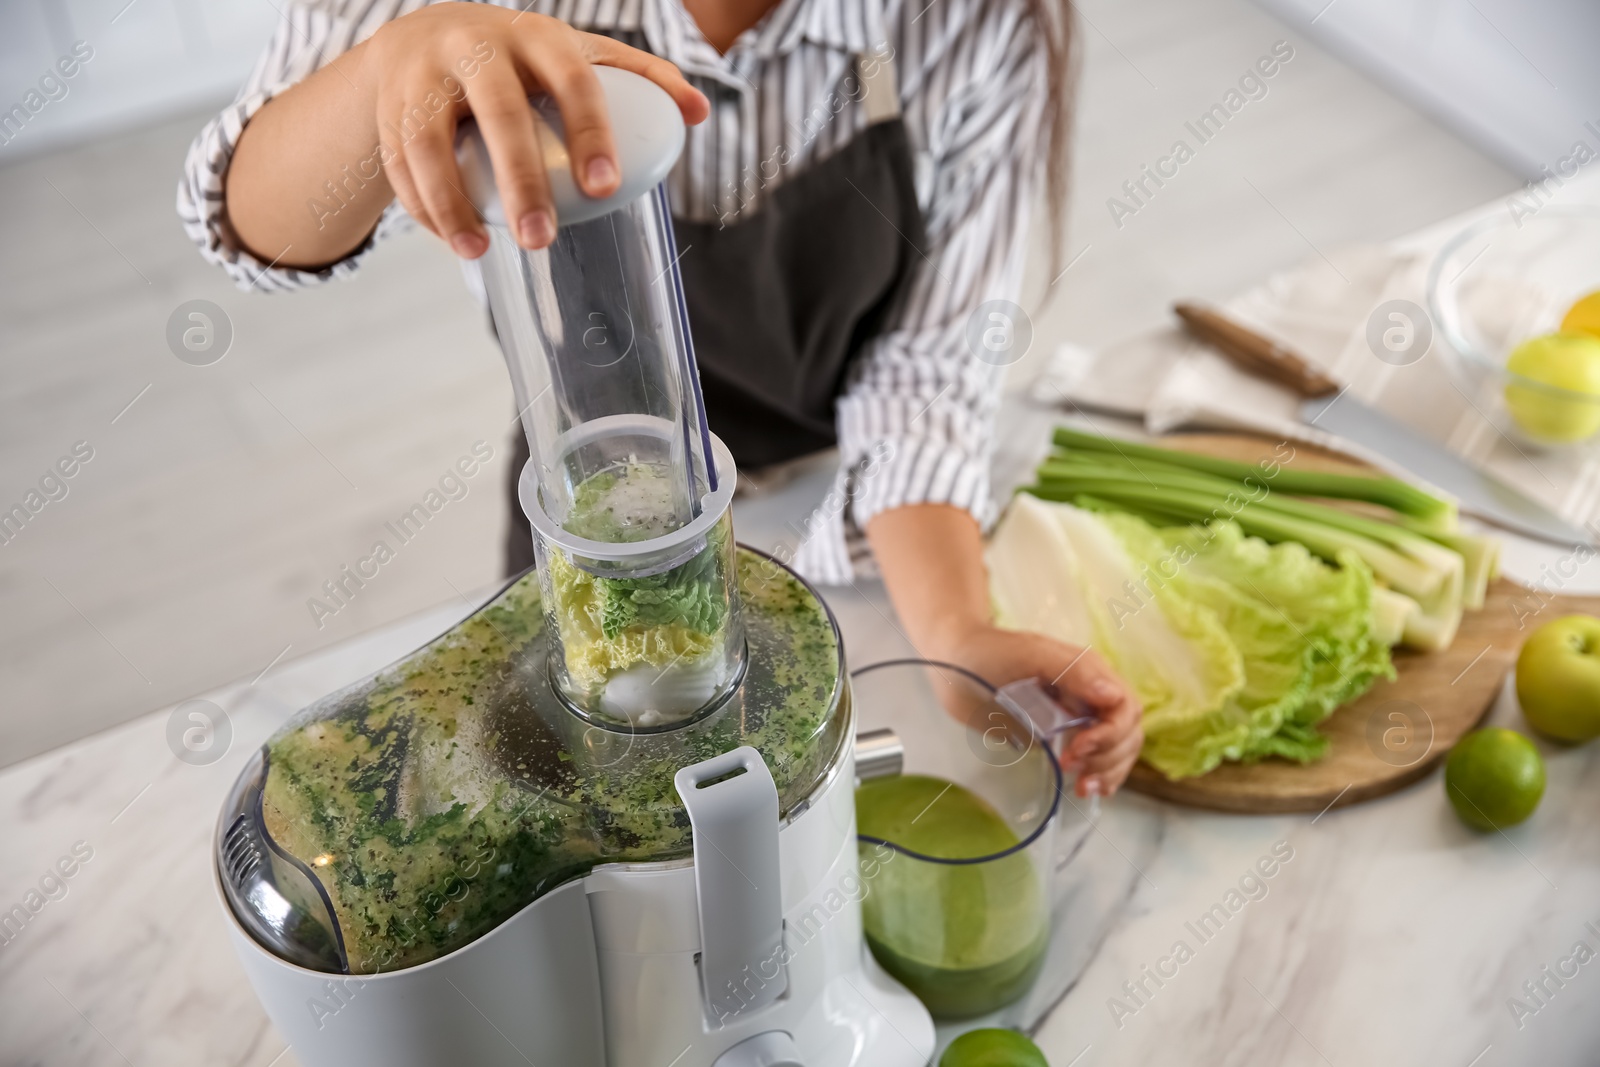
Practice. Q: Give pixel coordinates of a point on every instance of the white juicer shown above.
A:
(609, 818)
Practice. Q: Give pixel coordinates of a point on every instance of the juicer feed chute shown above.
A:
(624, 487)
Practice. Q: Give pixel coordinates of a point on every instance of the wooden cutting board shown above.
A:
(1399, 731)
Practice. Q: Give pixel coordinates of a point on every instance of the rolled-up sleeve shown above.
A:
(916, 422)
(307, 37)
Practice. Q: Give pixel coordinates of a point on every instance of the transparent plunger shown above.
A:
(626, 489)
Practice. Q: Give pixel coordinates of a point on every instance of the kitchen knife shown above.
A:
(1478, 494)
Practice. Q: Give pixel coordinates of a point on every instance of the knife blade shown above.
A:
(1478, 493)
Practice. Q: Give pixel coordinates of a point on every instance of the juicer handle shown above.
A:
(733, 810)
(1053, 723)
(1055, 720)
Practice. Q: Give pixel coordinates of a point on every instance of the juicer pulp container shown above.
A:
(624, 488)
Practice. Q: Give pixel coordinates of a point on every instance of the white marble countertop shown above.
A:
(1388, 933)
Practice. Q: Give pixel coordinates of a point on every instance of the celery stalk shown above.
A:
(1391, 613)
(1480, 554)
(1431, 632)
(1393, 493)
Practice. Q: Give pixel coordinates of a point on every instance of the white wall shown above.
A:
(1519, 78)
(151, 58)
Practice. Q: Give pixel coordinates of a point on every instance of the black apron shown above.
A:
(780, 303)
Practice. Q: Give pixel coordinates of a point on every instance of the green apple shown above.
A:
(1564, 361)
(1558, 678)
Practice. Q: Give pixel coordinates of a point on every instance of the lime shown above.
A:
(993, 1048)
(1583, 316)
(1494, 778)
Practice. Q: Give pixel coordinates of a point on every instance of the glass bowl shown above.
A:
(1504, 280)
(959, 845)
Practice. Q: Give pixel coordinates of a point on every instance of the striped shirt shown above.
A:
(916, 418)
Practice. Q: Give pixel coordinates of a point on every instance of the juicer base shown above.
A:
(603, 971)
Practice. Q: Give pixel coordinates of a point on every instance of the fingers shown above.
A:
(691, 101)
(500, 105)
(403, 184)
(1105, 770)
(1089, 678)
(431, 164)
(450, 213)
(550, 56)
(1106, 751)
(1115, 723)
(564, 72)
(1106, 745)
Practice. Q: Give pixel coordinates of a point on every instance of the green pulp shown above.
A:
(436, 799)
(630, 503)
(965, 938)
(610, 625)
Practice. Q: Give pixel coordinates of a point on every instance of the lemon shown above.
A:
(1494, 778)
(1583, 316)
(992, 1048)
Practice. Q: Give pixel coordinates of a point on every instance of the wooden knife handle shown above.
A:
(1253, 353)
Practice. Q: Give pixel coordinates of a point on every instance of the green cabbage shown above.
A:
(1060, 571)
(1237, 648)
(608, 625)
(690, 595)
(1303, 628)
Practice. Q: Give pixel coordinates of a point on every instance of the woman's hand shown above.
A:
(412, 57)
(1101, 755)
(386, 112)
(931, 556)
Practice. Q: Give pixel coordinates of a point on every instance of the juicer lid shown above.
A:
(400, 819)
(645, 125)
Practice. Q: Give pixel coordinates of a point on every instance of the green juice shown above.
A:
(965, 938)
